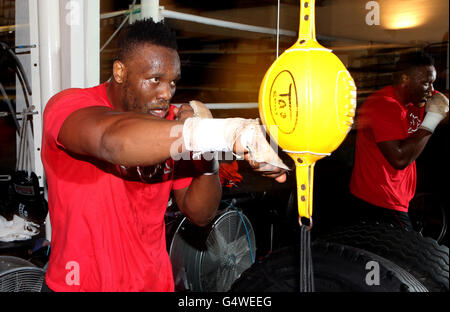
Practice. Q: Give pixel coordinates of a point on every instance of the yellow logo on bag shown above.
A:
(283, 102)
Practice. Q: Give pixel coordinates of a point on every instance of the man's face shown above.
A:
(149, 81)
(419, 84)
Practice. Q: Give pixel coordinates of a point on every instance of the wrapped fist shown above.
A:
(436, 109)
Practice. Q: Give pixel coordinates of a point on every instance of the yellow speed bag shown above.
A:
(307, 102)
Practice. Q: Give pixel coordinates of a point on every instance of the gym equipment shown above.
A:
(307, 101)
(24, 197)
(27, 199)
(19, 275)
(211, 259)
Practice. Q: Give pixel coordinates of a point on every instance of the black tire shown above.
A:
(421, 256)
(428, 216)
(336, 268)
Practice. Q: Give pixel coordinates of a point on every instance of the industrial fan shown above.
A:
(19, 275)
(211, 259)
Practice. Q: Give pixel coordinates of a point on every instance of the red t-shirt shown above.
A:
(108, 234)
(383, 118)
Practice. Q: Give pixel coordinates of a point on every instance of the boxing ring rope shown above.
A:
(208, 21)
(163, 13)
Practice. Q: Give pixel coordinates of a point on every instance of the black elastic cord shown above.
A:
(306, 265)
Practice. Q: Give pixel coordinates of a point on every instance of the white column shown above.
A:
(80, 43)
(92, 42)
(34, 69)
(45, 14)
(49, 48)
(72, 44)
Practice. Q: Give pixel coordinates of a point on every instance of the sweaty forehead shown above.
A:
(149, 57)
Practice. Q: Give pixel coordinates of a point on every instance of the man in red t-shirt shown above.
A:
(394, 125)
(109, 155)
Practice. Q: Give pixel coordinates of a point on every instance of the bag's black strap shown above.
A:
(306, 265)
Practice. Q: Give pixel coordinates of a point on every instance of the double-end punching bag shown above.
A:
(309, 97)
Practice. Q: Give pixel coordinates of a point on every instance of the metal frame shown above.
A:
(64, 37)
(163, 13)
(225, 24)
(59, 36)
(46, 66)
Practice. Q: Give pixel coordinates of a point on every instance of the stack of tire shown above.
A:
(360, 258)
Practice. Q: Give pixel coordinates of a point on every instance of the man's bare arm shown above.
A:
(128, 139)
(200, 200)
(401, 153)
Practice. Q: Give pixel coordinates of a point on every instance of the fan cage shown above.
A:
(234, 259)
(19, 275)
(192, 250)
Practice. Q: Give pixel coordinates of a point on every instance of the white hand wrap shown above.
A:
(206, 135)
(253, 138)
(200, 109)
(431, 121)
(207, 164)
